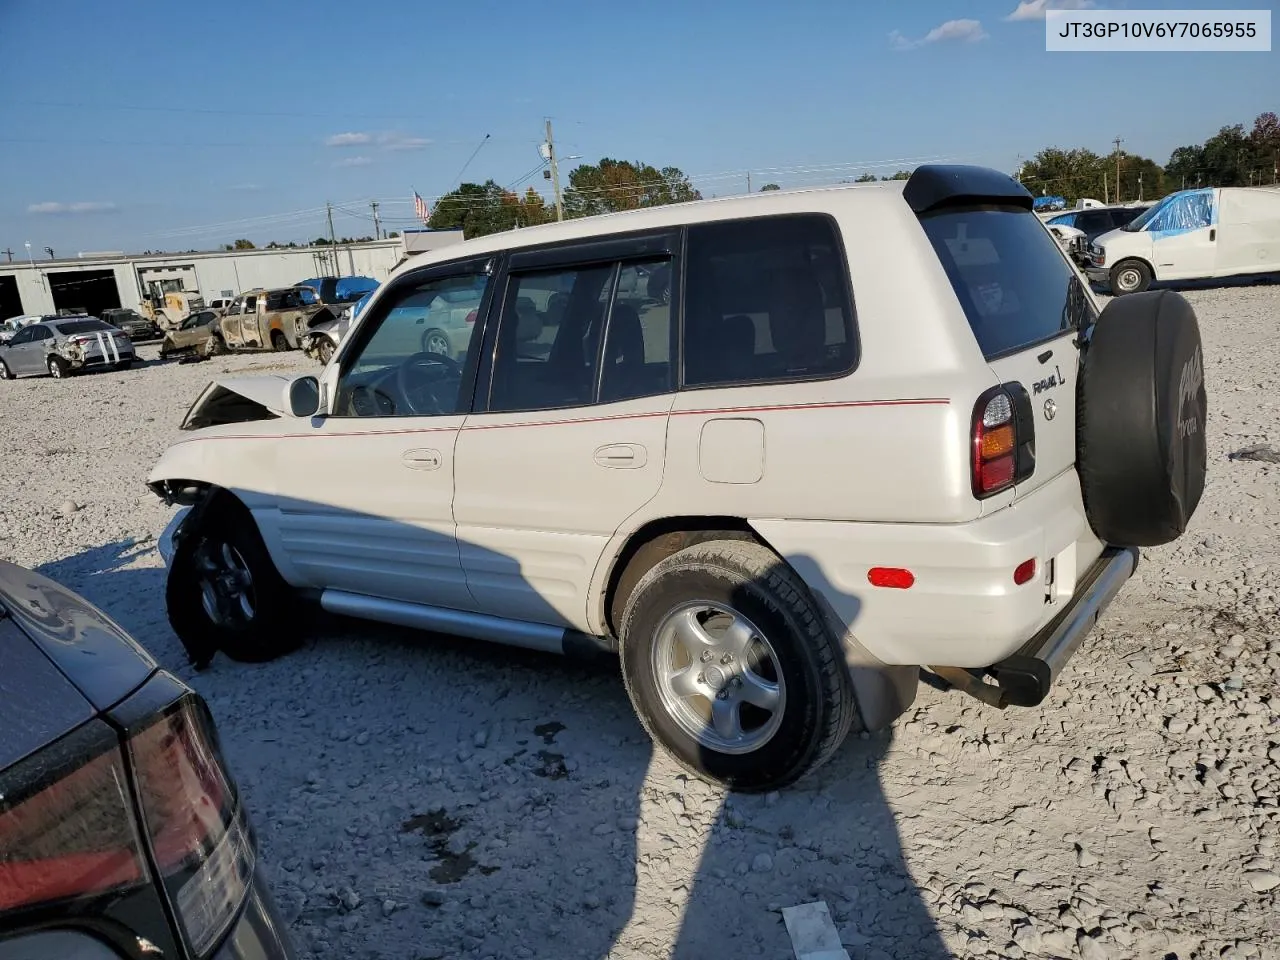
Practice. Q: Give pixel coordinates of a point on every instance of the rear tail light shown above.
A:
(1003, 439)
(77, 835)
(201, 842)
(471, 317)
(74, 837)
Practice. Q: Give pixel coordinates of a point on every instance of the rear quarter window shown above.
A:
(81, 326)
(1015, 287)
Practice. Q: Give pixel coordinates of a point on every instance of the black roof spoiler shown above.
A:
(948, 185)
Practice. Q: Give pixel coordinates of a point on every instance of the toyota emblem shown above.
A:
(1050, 409)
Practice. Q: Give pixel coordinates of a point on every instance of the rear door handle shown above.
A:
(421, 459)
(1213, 235)
(621, 456)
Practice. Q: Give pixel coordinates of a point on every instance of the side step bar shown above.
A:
(1023, 679)
(464, 623)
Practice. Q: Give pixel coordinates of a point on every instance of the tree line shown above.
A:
(1229, 158)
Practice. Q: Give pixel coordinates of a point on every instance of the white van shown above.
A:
(1192, 235)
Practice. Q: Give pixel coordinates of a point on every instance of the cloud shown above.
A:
(963, 31)
(1034, 9)
(348, 140)
(353, 162)
(398, 141)
(82, 206)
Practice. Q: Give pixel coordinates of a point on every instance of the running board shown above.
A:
(464, 623)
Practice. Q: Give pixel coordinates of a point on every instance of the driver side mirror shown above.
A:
(302, 397)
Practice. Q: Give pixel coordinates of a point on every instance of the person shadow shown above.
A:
(499, 802)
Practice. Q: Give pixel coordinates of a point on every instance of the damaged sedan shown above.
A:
(62, 346)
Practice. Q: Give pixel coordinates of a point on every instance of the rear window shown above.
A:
(81, 326)
(1016, 288)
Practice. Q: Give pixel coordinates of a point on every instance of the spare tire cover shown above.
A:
(1142, 411)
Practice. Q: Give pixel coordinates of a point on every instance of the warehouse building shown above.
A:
(95, 282)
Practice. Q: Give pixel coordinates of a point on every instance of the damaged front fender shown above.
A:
(238, 400)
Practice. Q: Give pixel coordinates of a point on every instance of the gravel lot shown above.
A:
(423, 797)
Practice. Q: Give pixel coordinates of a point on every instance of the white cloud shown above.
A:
(1034, 9)
(962, 31)
(348, 140)
(398, 141)
(83, 206)
(353, 162)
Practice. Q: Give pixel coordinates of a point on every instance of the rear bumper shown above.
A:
(964, 608)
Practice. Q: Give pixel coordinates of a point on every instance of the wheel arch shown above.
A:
(1135, 258)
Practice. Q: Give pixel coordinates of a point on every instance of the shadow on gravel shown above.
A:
(498, 802)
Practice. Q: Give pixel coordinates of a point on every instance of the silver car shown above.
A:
(62, 346)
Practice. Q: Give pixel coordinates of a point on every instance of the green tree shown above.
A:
(1072, 173)
(614, 185)
(866, 178)
(900, 175)
(479, 209)
(770, 186)
(244, 245)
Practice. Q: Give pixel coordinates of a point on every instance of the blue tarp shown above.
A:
(1049, 203)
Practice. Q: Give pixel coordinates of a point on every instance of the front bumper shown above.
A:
(165, 542)
(260, 933)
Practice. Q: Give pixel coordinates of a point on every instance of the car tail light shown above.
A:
(471, 317)
(200, 840)
(1003, 439)
(74, 837)
(1024, 571)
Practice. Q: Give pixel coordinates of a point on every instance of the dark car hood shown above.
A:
(103, 662)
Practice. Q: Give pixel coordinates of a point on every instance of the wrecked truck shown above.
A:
(269, 320)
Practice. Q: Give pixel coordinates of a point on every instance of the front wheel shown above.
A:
(59, 369)
(1130, 276)
(731, 666)
(224, 593)
(436, 341)
(214, 347)
(5, 372)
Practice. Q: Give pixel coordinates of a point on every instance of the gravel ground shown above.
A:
(422, 797)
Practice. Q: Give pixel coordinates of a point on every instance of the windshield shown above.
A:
(1010, 277)
(69, 327)
(1133, 226)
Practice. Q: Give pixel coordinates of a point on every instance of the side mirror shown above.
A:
(302, 397)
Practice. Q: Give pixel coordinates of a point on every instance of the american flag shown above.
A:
(420, 208)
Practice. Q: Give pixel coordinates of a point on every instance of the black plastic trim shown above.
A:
(605, 249)
(1024, 431)
(934, 186)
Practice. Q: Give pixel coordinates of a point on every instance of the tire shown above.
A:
(279, 342)
(59, 369)
(224, 592)
(701, 587)
(1129, 276)
(1141, 412)
(436, 341)
(325, 350)
(214, 347)
(5, 372)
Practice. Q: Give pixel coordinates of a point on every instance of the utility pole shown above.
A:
(377, 228)
(555, 173)
(1117, 141)
(8, 253)
(1106, 197)
(333, 241)
(748, 181)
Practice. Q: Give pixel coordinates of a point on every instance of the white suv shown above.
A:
(779, 452)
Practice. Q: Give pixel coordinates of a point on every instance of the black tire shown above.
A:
(325, 350)
(279, 342)
(434, 339)
(817, 700)
(1141, 412)
(5, 372)
(1128, 277)
(205, 588)
(59, 369)
(214, 347)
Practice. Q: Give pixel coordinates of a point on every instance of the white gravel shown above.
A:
(421, 797)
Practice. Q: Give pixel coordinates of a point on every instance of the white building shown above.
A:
(96, 282)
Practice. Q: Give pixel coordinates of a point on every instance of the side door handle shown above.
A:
(621, 456)
(1213, 234)
(421, 459)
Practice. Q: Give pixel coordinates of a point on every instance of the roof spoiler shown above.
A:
(948, 185)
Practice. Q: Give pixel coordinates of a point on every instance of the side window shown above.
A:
(275, 301)
(1191, 211)
(1066, 220)
(548, 338)
(23, 336)
(43, 333)
(411, 364)
(637, 343)
(766, 300)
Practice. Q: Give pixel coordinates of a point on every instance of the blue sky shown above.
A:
(146, 124)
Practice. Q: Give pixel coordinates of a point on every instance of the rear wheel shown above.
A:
(279, 343)
(1130, 276)
(214, 347)
(436, 341)
(224, 593)
(59, 368)
(732, 668)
